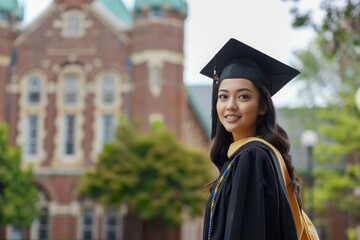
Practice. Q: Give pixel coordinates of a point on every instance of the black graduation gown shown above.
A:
(252, 201)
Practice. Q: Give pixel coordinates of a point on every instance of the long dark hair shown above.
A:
(267, 128)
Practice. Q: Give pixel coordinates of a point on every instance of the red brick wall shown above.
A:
(64, 227)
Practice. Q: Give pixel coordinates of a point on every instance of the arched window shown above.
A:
(71, 89)
(108, 88)
(40, 227)
(73, 23)
(111, 224)
(88, 224)
(34, 90)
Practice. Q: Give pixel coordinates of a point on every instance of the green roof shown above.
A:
(12, 6)
(118, 9)
(198, 97)
(177, 5)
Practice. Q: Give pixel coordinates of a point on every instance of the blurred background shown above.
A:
(105, 118)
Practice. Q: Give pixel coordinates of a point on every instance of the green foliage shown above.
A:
(340, 25)
(336, 188)
(153, 173)
(331, 75)
(18, 195)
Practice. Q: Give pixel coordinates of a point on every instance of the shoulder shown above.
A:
(254, 149)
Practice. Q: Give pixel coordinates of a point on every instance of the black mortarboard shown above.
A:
(238, 60)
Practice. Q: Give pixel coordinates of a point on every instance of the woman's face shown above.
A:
(238, 107)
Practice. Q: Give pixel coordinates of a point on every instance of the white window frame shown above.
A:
(91, 227)
(69, 134)
(155, 13)
(73, 24)
(114, 228)
(33, 90)
(37, 225)
(60, 158)
(26, 108)
(108, 128)
(14, 233)
(108, 89)
(155, 79)
(71, 90)
(32, 135)
(102, 108)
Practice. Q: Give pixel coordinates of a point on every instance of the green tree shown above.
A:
(332, 75)
(153, 173)
(339, 154)
(18, 195)
(337, 123)
(339, 28)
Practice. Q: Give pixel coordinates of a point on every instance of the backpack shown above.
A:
(304, 227)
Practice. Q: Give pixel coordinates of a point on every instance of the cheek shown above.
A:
(219, 107)
(253, 111)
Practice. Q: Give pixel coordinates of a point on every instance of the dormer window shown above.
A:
(4, 17)
(73, 25)
(155, 13)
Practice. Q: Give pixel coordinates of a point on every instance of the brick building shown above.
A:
(65, 78)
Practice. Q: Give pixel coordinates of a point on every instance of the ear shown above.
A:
(262, 110)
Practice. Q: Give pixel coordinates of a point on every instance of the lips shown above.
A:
(232, 117)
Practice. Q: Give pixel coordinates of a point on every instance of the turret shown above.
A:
(157, 62)
(11, 12)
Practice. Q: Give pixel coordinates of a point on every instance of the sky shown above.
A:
(262, 24)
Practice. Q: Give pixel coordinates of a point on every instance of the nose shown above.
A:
(231, 106)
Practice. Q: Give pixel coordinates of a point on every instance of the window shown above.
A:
(73, 25)
(111, 225)
(155, 80)
(34, 90)
(155, 13)
(15, 233)
(43, 230)
(40, 227)
(4, 16)
(33, 135)
(88, 224)
(69, 137)
(71, 89)
(108, 89)
(108, 128)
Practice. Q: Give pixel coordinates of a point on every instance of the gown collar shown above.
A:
(239, 143)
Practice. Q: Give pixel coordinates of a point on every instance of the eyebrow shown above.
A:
(238, 90)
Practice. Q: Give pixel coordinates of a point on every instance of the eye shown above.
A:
(244, 97)
(222, 96)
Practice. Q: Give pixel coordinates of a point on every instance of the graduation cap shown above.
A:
(238, 60)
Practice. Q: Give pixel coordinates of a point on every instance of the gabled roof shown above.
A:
(177, 5)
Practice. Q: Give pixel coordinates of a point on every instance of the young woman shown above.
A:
(250, 199)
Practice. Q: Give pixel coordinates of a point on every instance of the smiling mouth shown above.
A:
(232, 117)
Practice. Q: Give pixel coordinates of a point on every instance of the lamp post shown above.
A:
(357, 98)
(309, 139)
(357, 188)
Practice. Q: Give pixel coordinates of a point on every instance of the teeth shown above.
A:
(231, 117)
